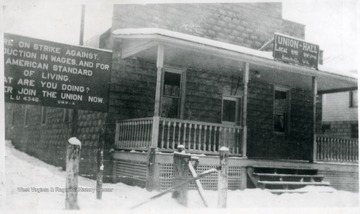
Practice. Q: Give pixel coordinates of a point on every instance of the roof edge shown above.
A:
(125, 32)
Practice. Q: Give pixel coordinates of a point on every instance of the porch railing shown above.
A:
(199, 136)
(336, 149)
(195, 136)
(133, 133)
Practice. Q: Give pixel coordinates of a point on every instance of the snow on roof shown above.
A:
(195, 39)
(216, 44)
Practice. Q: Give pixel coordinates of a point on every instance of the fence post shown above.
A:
(223, 177)
(180, 174)
(72, 171)
(100, 158)
(152, 175)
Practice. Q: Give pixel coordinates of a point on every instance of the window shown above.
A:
(172, 95)
(26, 115)
(354, 131)
(230, 110)
(354, 99)
(43, 115)
(281, 110)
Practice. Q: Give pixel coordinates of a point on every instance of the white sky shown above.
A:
(329, 23)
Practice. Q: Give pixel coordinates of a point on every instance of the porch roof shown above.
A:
(184, 50)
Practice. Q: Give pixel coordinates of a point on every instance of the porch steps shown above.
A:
(285, 180)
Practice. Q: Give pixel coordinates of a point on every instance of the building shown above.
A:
(200, 75)
(340, 114)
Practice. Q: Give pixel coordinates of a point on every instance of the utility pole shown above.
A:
(73, 148)
(74, 123)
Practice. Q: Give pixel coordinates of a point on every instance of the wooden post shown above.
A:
(74, 121)
(314, 145)
(223, 177)
(157, 106)
(244, 108)
(180, 174)
(99, 175)
(152, 176)
(159, 65)
(100, 158)
(72, 171)
(81, 42)
(181, 148)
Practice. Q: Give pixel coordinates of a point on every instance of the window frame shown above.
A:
(182, 73)
(238, 110)
(288, 112)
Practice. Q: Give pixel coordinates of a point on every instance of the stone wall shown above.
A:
(262, 140)
(339, 129)
(48, 141)
(132, 88)
(248, 24)
(204, 92)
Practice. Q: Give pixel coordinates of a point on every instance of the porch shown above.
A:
(207, 138)
(175, 86)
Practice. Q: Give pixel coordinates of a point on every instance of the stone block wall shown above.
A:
(338, 129)
(346, 178)
(48, 141)
(204, 92)
(132, 88)
(262, 140)
(247, 24)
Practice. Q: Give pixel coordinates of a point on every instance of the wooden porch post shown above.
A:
(157, 106)
(314, 145)
(246, 68)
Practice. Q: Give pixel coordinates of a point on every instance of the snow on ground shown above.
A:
(25, 173)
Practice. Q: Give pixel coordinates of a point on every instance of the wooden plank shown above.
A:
(288, 175)
(250, 173)
(203, 174)
(323, 183)
(198, 184)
